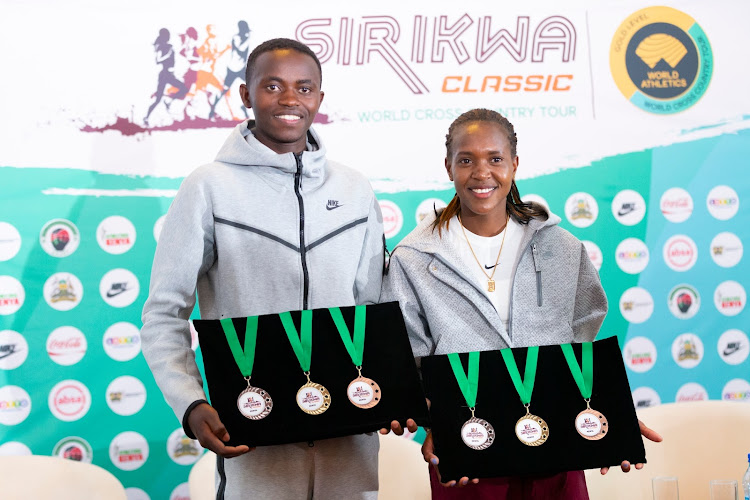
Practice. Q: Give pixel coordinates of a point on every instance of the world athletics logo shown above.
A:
(661, 60)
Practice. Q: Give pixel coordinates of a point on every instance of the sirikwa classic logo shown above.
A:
(661, 60)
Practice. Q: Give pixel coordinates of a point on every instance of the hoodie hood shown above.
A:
(426, 239)
(242, 149)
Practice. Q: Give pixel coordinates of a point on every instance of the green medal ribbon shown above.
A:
(584, 378)
(355, 348)
(470, 384)
(526, 386)
(302, 342)
(244, 357)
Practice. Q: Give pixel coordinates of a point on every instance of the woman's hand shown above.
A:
(646, 432)
(429, 457)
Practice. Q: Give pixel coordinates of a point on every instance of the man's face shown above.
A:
(284, 93)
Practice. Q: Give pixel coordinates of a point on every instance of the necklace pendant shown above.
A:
(490, 285)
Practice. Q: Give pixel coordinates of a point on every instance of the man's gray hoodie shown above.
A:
(556, 295)
(254, 233)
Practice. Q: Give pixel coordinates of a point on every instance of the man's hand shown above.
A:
(429, 457)
(205, 423)
(398, 430)
(646, 432)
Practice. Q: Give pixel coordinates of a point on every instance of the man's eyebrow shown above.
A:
(304, 81)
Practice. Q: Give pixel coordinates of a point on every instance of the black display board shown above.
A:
(556, 399)
(387, 360)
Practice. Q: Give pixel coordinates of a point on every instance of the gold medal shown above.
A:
(591, 424)
(313, 398)
(363, 392)
(477, 433)
(532, 430)
(254, 403)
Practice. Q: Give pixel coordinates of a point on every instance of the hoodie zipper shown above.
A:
(302, 251)
(535, 256)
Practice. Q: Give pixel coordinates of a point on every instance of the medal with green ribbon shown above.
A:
(590, 424)
(476, 433)
(312, 398)
(254, 403)
(363, 392)
(530, 429)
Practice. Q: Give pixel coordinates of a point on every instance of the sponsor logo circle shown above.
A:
(639, 354)
(126, 395)
(687, 350)
(119, 288)
(680, 252)
(726, 249)
(684, 301)
(66, 345)
(723, 202)
(69, 400)
(692, 391)
(733, 346)
(645, 397)
(10, 241)
(636, 305)
(535, 198)
(63, 291)
(73, 448)
(128, 450)
(183, 450)
(428, 207)
(14, 448)
(736, 390)
(581, 209)
(59, 237)
(181, 492)
(122, 341)
(115, 234)
(133, 493)
(12, 295)
(13, 349)
(628, 207)
(730, 298)
(594, 253)
(158, 225)
(676, 205)
(661, 60)
(393, 219)
(632, 255)
(15, 405)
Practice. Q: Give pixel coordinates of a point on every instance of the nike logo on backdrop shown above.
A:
(333, 204)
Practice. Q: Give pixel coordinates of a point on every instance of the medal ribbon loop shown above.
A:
(526, 386)
(584, 378)
(301, 342)
(244, 357)
(355, 348)
(468, 385)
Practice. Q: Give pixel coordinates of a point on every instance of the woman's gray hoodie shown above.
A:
(556, 296)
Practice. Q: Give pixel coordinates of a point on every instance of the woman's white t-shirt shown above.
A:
(486, 250)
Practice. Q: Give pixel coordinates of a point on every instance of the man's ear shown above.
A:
(245, 96)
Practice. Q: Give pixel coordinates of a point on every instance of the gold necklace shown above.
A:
(490, 281)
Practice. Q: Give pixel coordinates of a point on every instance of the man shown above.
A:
(269, 226)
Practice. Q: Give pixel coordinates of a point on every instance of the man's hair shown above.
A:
(520, 211)
(279, 44)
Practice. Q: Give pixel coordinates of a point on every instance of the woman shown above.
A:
(499, 271)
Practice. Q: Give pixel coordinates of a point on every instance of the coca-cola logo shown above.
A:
(66, 345)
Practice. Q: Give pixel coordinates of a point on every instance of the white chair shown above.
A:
(703, 440)
(403, 474)
(42, 477)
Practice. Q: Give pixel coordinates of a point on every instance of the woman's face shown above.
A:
(482, 168)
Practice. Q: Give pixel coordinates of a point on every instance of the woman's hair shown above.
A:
(520, 211)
